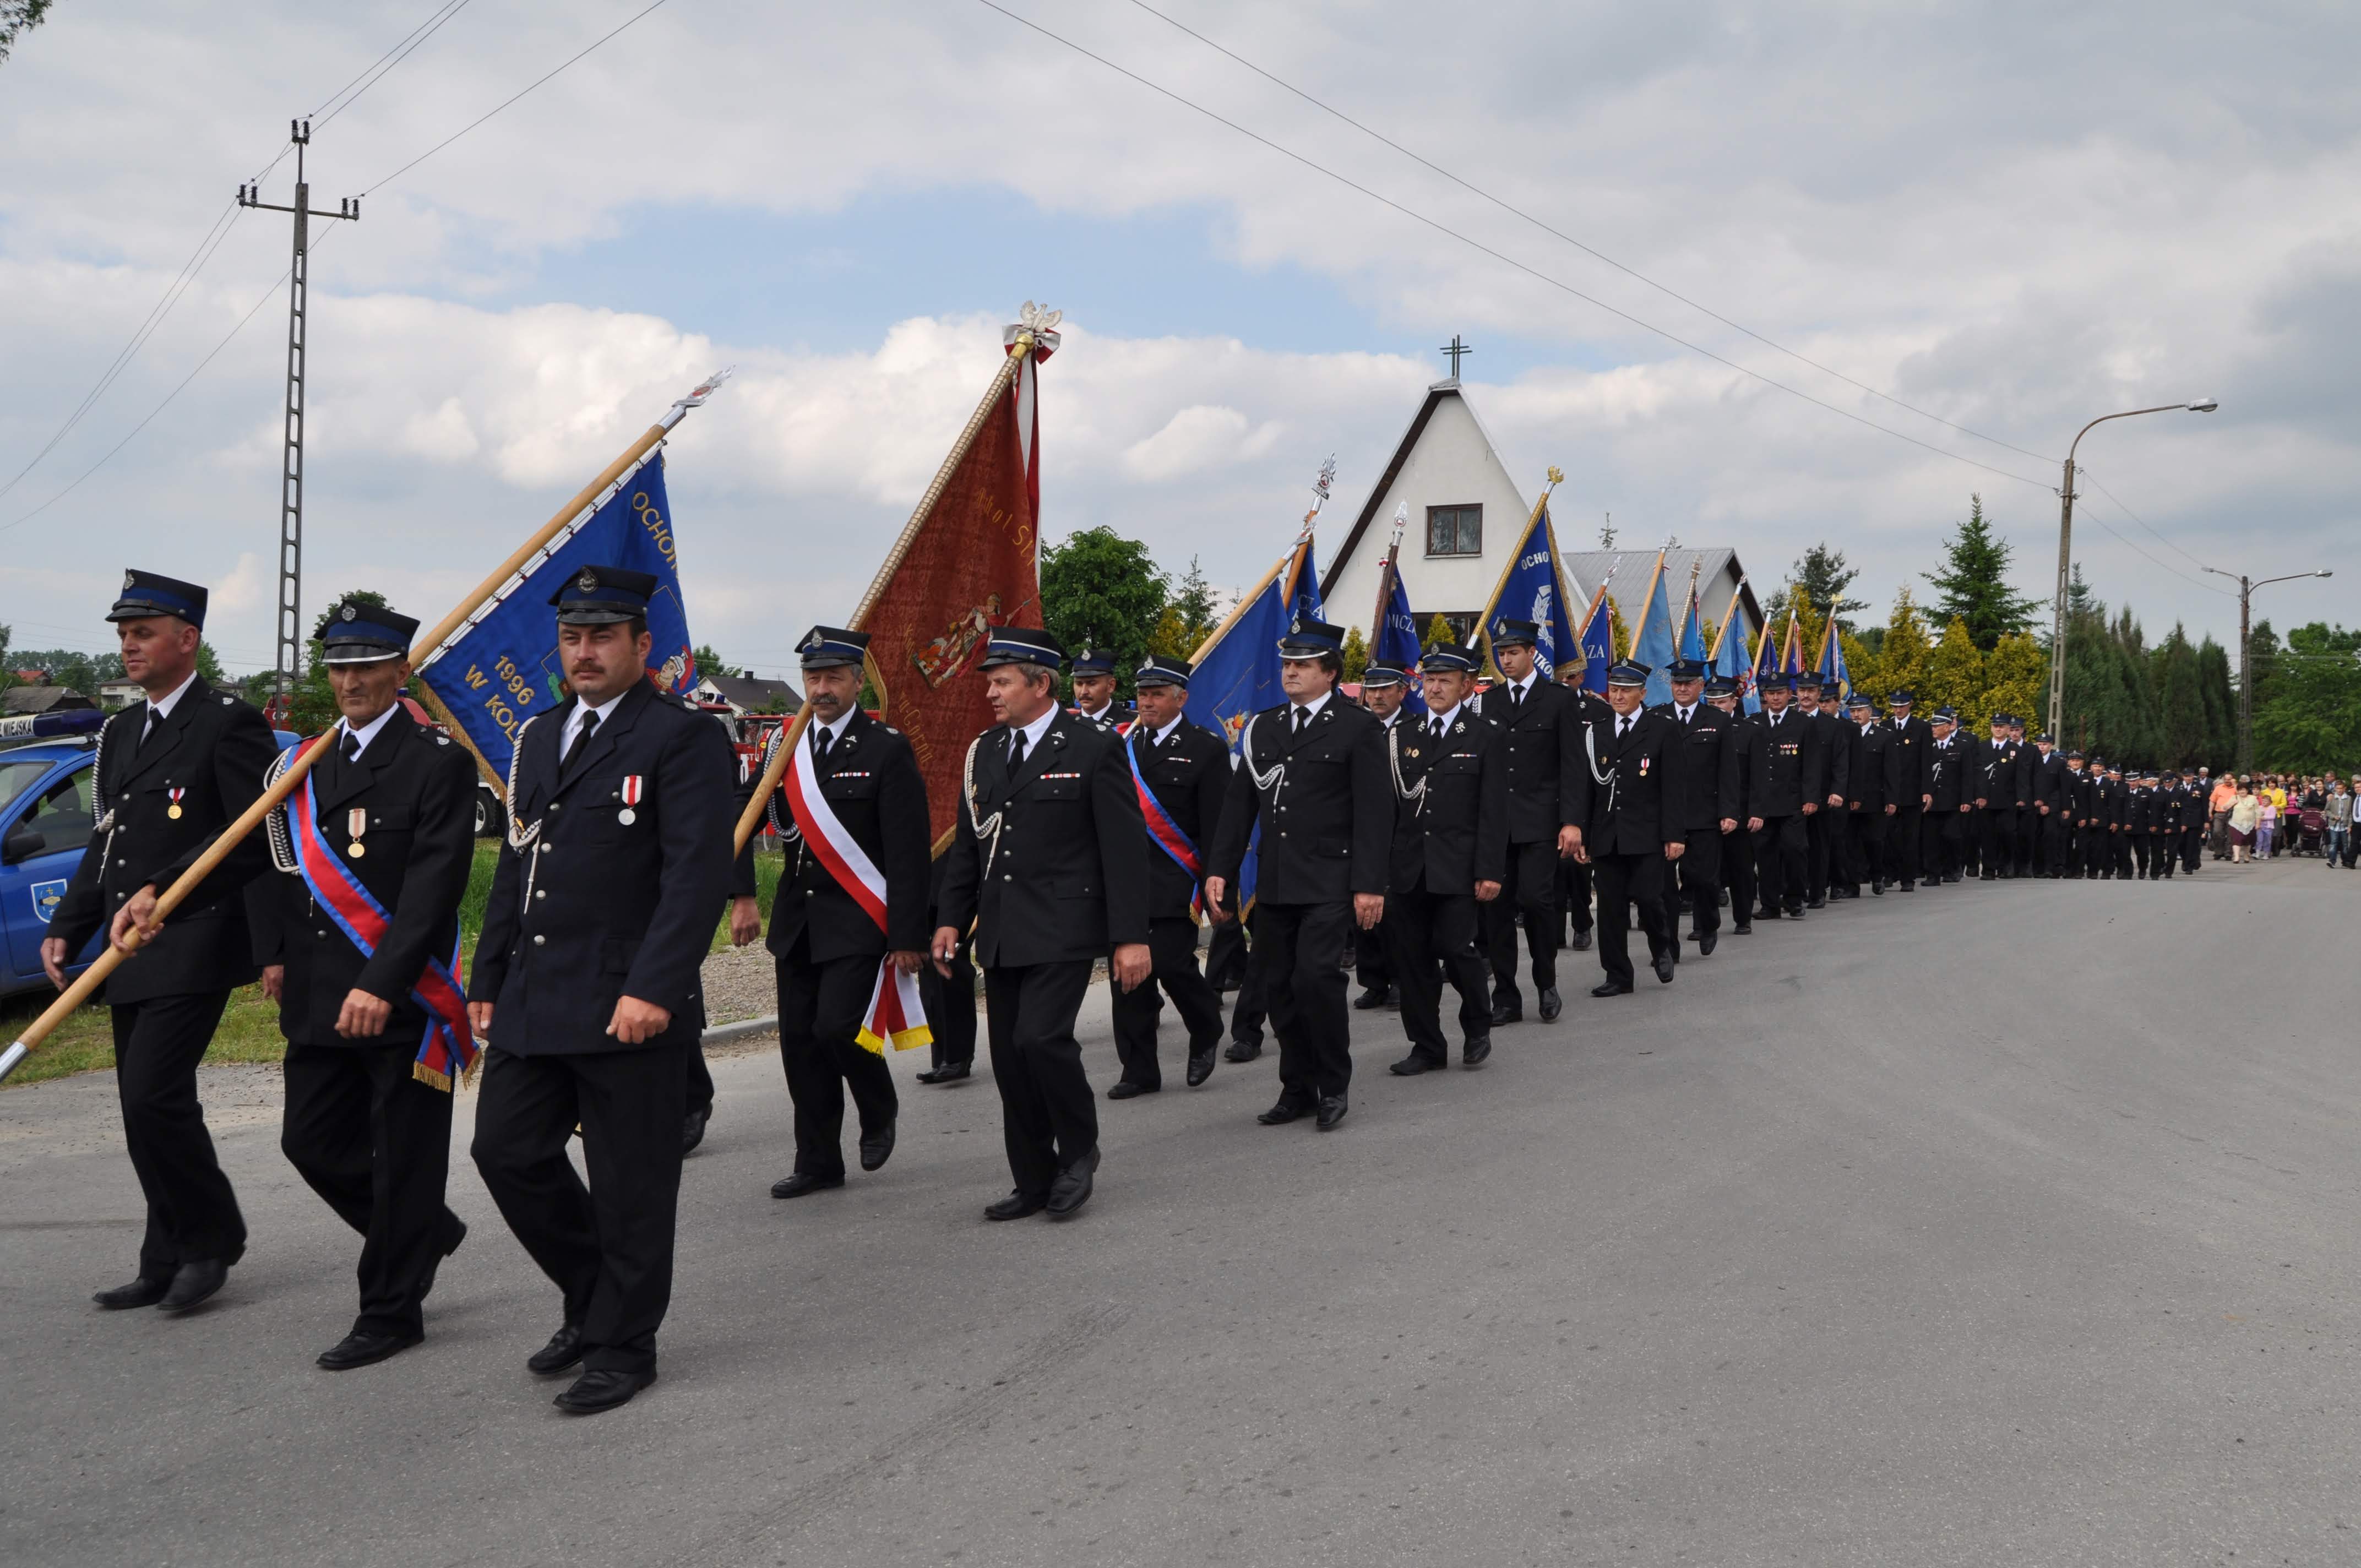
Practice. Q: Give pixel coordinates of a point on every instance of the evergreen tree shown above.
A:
(710, 662)
(1438, 631)
(1822, 573)
(1973, 586)
(1192, 601)
(2016, 680)
(1101, 590)
(2179, 706)
(1357, 654)
(2221, 752)
(1901, 651)
(1954, 676)
(2312, 721)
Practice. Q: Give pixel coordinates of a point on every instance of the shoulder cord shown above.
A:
(282, 835)
(1611, 778)
(98, 788)
(1274, 778)
(1415, 794)
(985, 829)
(523, 838)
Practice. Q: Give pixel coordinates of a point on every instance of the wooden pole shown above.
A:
(751, 820)
(1722, 633)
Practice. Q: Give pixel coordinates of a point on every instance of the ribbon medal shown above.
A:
(356, 824)
(1643, 767)
(631, 792)
(173, 810)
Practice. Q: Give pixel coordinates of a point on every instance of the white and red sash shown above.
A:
(894, 1015)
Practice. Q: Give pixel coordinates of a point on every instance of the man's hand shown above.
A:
(1925, 803)
(274, 981)
(1810, 807)
(2045, 808)
(1217, 889)
(53, 960)
(1836, 800)
(1675, 852)
(745, 920)
(138, 914)
(363, 1016)
(1754, 825)
(1486, 892)
(1889, 809)
(1729, 824)
(1130, 965)
(945, 949)
(1369, 908)
(1980, 804)
(636, 1023)
(906, 960)
(1569, 841)
(479, 1017)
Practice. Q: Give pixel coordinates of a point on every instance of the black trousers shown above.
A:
(2139, 851)
(1699, 876)
(1172, 949)
(1997, 849)
(699, 1081)
(1226, 956)
(1425, 930)
(375, 1143)
(1574, 894)
(1906, 833)
(1623, 881)
(1779, 855)
(1823, 849)
(192, 1213)
(2028, 838)
(1249, 1011)
(2122, 838)
(2098, 851)
(1372, 965)
(950, 1006)
(1865, 832)
(1530, 890)
(1299, 959)
(1939, 843)
(820, 1014)
(1738, 874)
(607, 1247)
(1047, 1116)
(2057, 843)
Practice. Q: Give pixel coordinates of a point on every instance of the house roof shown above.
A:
(754, 694)
(1447, 387)
(1631, 580)
(41, 699)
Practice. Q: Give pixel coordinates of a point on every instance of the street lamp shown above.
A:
(2066, 554)
(2247, 588)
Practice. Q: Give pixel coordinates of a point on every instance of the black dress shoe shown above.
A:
(1581, 943)
(1505, 1013)
(1766, 915)
(1705, 943)
(602, 1389)
(1476, 1051)
(949, 1072)
(1331, 1112)
(1243, 1050)
(1819, 903)
(1072, 1187)
(564, 1349)
(877, 1148)
(1201, 1066)
(692, 1130)
(1665, 967)
(193, 1282)
(1610, 988)
(1124, 1089)
(1016, 1206)
(362, 1346)
(1743, 929)
(1550, 1004)
(1876, 890)
(1278, 1115)
(803, 1183)
(1411, 1066)
(141, 1292)
(1370, 1000)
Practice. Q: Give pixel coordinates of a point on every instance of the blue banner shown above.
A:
(1532, 589)
(1732, 662)
(1238, 672)
(1398, 642)
(1832, 665)
(1598, 646)
(1651, 641)
(1693, 630)
(1767, 667)
(504, 669)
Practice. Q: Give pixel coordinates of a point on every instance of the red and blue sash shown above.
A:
(448, 1050)
(1164, 832)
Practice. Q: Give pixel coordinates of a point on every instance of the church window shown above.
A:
(1455, 530)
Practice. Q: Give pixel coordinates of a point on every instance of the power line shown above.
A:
(2136, 518)
(1591, 251)
(1473, 244)
(2161, 566)
(383, 65)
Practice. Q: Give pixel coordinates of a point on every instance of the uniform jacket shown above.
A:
(1451, 805)
(2048, 779)
(1118, 714)
(1327, 817)
(588, 908)
(1709, 773)
(1948, 771)
(1913, 739)
(210, 750)
(418, 845)
(1544, 756)
(871, 781)
(1773, 756)
(1188, 773)
(1995, 779)
(1828, 758)
(1869, 783)
(1638, 784)
(1063, 874)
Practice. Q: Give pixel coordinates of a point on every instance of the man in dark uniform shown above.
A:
(1385, 689)
(2164, 827)
(856, 780)
(171, 772)
(1908, 739)
(1828, 785)
(1708, 765)
(1869, 801)
(2139, 821)
(1313, 778)
(1999, 767)
(2077, 810)
(1737, 843)
(2118, 853)
(1951, 801)
(1450, 850)
(1545, 725)
(1181, 771)
(1572, 875)
(1771, 754)
(1094, 683)
(586, 982)
(2091, 828)
(1049, 861)
(1634, 836)
(359, 943)
(948, 994)
(2029, 819)
(2046, 789)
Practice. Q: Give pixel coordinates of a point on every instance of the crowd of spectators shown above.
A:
(2256, 816)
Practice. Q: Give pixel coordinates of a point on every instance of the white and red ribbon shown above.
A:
(894, 1015)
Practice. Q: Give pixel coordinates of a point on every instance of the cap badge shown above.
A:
(131, 580)
(352, 612)
(587, 581)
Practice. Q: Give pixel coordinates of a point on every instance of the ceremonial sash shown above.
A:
(448, 1050)
(1165, 833)
(894, 1015)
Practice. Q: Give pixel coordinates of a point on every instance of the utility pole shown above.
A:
(290, 484)
(2247, 587)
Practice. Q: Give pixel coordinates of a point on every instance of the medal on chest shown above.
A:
(1643, 767)
(632, 789)
(173, 810)
(356, 825)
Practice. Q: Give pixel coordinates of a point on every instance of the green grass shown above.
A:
(250, 1027)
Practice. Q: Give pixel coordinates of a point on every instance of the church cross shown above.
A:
(1457, 350)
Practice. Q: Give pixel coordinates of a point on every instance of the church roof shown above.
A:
(1446, 387)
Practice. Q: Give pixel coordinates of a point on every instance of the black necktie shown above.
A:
(821, 741)
(155, 722)
(1622, 728)
(1302, 717)
(1015, 749)
(1438, 728)
(351, 749)
(1516, 699)
(581, 739)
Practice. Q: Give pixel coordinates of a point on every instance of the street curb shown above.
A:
(723, 1033)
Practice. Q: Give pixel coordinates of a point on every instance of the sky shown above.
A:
(2010, 218)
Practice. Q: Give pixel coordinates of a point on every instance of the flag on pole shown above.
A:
(1692, 642)
(1653, 637)
(500, 668)
(1831, 668)
(1396, 639)
(1767, 666)
(1729, 658)
(1532, 588)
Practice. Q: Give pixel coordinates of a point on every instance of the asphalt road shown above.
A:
(1993, 1225)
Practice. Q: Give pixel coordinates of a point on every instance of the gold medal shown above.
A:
(173, 812)
(356, 848)
(356, 824)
